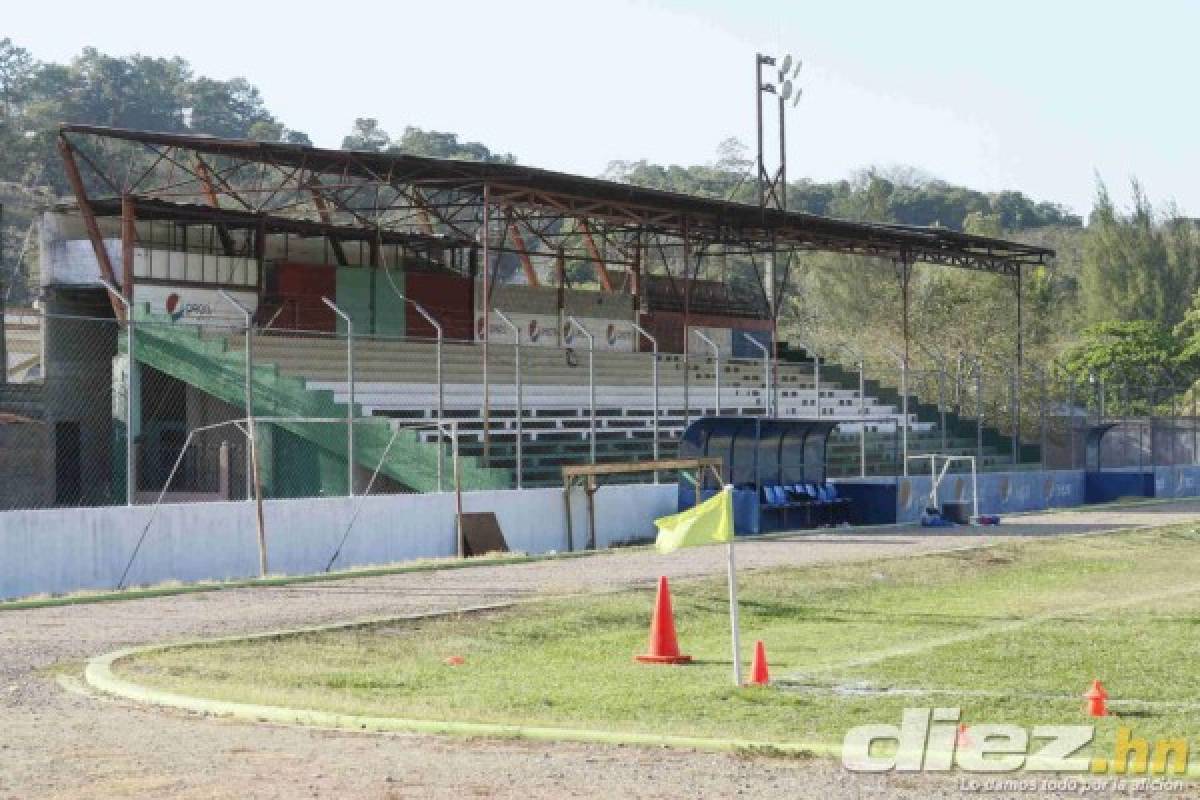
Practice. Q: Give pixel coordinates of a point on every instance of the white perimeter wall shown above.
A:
(64, 550)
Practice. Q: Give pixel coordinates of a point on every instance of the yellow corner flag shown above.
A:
(711, 521)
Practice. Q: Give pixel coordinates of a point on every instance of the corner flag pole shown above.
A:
(733, 610)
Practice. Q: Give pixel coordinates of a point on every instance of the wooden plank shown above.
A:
(581, 470)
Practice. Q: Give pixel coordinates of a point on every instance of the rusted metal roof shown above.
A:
(699, 218)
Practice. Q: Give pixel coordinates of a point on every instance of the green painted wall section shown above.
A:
(367, 296)
(389, 309)
(355, 295)
(310, 458)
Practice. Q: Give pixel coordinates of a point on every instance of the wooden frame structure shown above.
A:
(586, 475)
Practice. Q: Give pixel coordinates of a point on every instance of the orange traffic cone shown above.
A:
(759, 675)
(1096, 697)
(664, 649)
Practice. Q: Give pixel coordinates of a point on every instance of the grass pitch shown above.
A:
(1013, 633)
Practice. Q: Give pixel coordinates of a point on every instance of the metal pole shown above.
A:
(862, 424)
(485, 233)
(717, 361)
(254, 487)
(130, 478)
(1071, 420)
(591, 381)
(942, 401)
(516, 384)
(1042, 431)
(1015, 420)
(1174, 422)
(654, 386)
(758, 62)
(247, 390)
(458, 506)
(441, 387)
(904, 410)
(979, 412)
(762, 348)
(349, 406)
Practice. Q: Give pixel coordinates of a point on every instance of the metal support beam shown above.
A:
(523, 254)
(594, 252)
(71, 169)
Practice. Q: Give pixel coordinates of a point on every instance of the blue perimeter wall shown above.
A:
(884, 500)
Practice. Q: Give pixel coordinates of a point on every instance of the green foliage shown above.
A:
(367, 135)
(1134, 353)
(135, 91)
(1140, 265)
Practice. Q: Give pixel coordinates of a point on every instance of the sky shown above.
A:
(1041, 97)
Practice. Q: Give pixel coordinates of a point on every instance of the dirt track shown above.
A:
(56, 743)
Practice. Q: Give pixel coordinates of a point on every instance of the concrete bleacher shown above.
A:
(397, 378)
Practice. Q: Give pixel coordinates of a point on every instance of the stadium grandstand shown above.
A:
(389, 285)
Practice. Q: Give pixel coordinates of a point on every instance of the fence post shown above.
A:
(349, 406)
(862, 419)
(904, 410)
(441, 386)
(1042, 422)
(653, 386)
(979, 412)
(253, 487)
(1071, 425)
(458, 505)
(942, 401)
(1174, 422)
(592, 382)
(1014, 418)
(516, 384)
(717, 368)
(130, 465)
(766, 370)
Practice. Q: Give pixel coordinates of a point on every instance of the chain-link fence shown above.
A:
(327, 401)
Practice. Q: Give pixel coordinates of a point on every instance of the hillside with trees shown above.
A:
(1120, 296)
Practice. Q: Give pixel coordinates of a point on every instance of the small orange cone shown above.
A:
(1096, 697)
(664, 649)
(455, 661)
(759, 675)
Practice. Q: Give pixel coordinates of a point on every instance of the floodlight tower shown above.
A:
(772, 185)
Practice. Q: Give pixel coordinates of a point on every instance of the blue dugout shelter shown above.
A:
(759, 457)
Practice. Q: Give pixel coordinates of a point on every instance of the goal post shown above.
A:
(585, 475)
(936, 476)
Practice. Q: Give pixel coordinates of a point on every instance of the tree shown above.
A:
(232, 108)
(366, 135)
(1138, 353)
(16, 71)
(436, 144)
(1138, 265)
